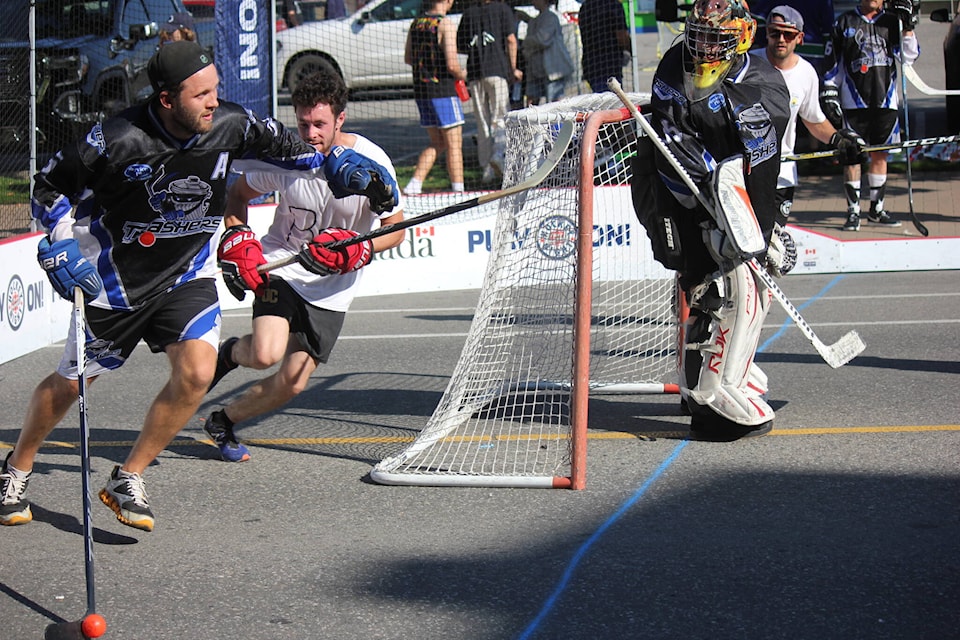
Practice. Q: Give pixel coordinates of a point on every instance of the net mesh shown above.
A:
(506, 413)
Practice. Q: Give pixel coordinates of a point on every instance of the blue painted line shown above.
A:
(788, 322)
(585, 547)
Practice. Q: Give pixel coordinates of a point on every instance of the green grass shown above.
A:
(438, 179)
(14, 190)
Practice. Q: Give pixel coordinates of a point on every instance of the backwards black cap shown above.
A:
(174, 62)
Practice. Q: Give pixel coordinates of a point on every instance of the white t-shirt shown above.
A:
(803, 82)
(307, 207)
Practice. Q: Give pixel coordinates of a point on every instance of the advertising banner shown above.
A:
(242, 53)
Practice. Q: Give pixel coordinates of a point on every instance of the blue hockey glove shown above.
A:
(67, 269)
(349, 173)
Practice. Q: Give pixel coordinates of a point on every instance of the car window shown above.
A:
(395, 10)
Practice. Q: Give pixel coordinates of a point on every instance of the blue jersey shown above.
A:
(145, 206)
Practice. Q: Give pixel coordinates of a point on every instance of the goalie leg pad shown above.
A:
(723, 341)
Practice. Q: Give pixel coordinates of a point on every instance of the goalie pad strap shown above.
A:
(720, 350)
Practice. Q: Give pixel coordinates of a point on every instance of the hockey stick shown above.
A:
(836, 354)
(92, 625)
(549, 164)
(911, 74)
(920, 142)
(906, 131)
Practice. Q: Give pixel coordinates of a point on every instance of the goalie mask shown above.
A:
(716, 32)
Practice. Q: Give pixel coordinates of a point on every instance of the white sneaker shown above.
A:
(126, 494)
(412, 189)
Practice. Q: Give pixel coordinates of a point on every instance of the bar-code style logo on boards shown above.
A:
(557, 237)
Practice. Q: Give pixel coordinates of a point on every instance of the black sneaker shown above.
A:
(882, 218)
(13, 508)
(225, 363)
(231, 450)
(852, 223)
(126, 494)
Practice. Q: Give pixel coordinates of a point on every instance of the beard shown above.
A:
(192, 122)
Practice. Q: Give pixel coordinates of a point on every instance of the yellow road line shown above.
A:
(605, 435)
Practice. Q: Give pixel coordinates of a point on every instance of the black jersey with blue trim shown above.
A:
(746, 116)
(861, 59)
(145, 206)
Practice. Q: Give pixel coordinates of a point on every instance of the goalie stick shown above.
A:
(92, 625)
(564, 135)
(836, 354)
(908, 144)
(911, 74)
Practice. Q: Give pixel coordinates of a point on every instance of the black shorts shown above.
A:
(875, 126)
(188, 312)
(316, 328)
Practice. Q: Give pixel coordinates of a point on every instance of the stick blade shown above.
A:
(64, 631)
(843, 350)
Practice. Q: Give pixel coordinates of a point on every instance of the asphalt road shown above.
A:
(843, 523)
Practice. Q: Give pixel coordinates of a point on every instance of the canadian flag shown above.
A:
(423, 231)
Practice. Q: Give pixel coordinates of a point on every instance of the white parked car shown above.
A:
(366, 48)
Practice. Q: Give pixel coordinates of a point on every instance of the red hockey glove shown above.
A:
(317, 258)
(239, 255)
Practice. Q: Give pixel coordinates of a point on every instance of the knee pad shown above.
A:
(717, 371)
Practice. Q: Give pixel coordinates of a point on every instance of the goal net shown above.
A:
(572, 304)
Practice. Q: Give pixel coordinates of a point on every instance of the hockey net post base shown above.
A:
(572, 305)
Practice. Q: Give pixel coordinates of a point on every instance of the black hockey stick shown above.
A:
(836, 354)
(550, 162)
(92, 625)
(908, 144)
(906, 131)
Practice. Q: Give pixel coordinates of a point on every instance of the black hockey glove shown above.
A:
(908, 11)
(849, 146)
(830, 103)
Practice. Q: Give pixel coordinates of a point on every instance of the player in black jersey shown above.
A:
(132, 212)
(714, 106)
(860, 87)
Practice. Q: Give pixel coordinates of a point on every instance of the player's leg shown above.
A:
(185, 324)
(884, 130)
(859, 121)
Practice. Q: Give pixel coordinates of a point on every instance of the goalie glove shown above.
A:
(239, 255)
(781, 253)
(830, 103)
(849, 146)
(317, 258)
(349, 173)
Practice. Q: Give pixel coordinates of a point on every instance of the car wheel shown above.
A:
(305, 66)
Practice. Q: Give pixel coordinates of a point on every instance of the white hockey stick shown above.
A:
(836, 354)
(564, 135)
(911, 74)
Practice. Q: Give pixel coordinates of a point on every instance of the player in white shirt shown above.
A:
(784, 34)
(298, 314)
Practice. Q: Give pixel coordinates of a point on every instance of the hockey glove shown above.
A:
(317, 258)
(830, 103)
(239, 255)
(849, 146)
(908, 11)
(67, 269)
(782, 252)
(349, 173)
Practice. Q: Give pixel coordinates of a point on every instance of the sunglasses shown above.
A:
(776, 34)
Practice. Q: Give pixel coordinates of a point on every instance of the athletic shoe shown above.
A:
(882, 218)
(225, 363)
(852, 223)
(230, 448)
(13, 508)
(126, 494)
